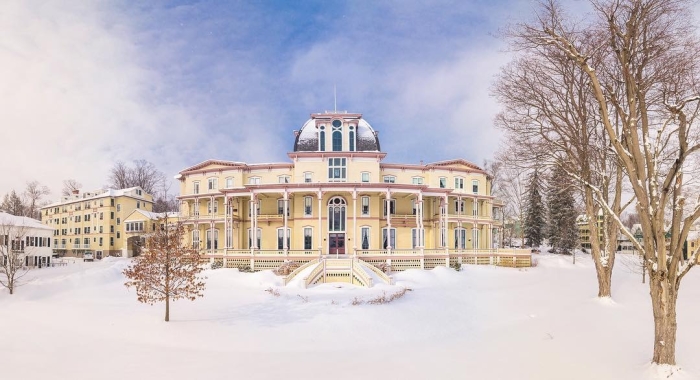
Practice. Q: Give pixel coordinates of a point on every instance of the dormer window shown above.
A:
(351, 139)
(337, 135)
(322, 139)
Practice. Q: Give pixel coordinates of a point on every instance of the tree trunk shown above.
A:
(604, 280)
(167, 308)
(663, 301)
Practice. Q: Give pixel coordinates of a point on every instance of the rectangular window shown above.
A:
(417, 180)
(138, 204)
(307, 177)
(212, 207)
(280, 207)
(414, 206)
(308, 209)
(475, 187)
(417, 238)
(283, 179)
(460, 238)
(119, 235)
(308, 237)
(254, 181)
(475, 239)
(111, 241)
(391, 241)
(100, 243)
(111, 229)
(280, 238)
(389, 179)
(100, 229)
(459, 206)
(250, 208)
(111, 215)
(258, 238)
(475, 208)
(118, 221)
(212, 184)
(459, 183)
(195, 239)
(365, 206)
(195, 187)
(77, 218)
(229, 182)
(365, 236)
(365, 176)
(119, 207)
(101, 215)
(392, 207)
(212, 239)
(337, 171)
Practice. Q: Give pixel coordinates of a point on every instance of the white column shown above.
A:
(319, 195)
(254, 222)
(447, 226)
(284, 233)
(354, 222)
(227, 224)
(388, 222)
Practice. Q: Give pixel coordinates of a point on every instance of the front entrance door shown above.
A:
(336, 244)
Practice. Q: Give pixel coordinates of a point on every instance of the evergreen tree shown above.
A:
(562, 230)
(12, 204)
(534, 214)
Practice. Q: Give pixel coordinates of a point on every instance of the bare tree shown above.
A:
(70, 186)
(550, 118)
(167, 269)
(13, 253)
(512, 191)
(641, 64)
(143, 174)
(33, 195)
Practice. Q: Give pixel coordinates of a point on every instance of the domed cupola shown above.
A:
(336, 132)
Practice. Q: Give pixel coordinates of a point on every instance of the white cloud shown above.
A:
(75, 99)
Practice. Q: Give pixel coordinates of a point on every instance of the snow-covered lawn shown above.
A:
(80, 322)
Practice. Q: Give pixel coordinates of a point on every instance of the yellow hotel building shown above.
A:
(93, 221)
(337, 198)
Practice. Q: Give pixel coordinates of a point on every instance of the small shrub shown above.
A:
(456, 266)
(217, 265)
(303, 299)
(245, 268)
(384, 299)
(333, 302)
(357, 301)
(286, 268)
(384, 267)
(273, 291)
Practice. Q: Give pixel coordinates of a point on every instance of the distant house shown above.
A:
(584, 232)
(138, 224)
(92, 221)
(28, 238)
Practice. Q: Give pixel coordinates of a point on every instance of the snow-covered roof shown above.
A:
(156, 215)
(307, 137)
(96, 194)
(21, 221)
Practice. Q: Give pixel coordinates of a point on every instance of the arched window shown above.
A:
(322, 139)
(336, 214)
(337, 141)
(352, 139)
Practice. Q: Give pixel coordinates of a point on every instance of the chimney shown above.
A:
(76, 192)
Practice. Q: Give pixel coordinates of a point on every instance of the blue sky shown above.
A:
(180, 82)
